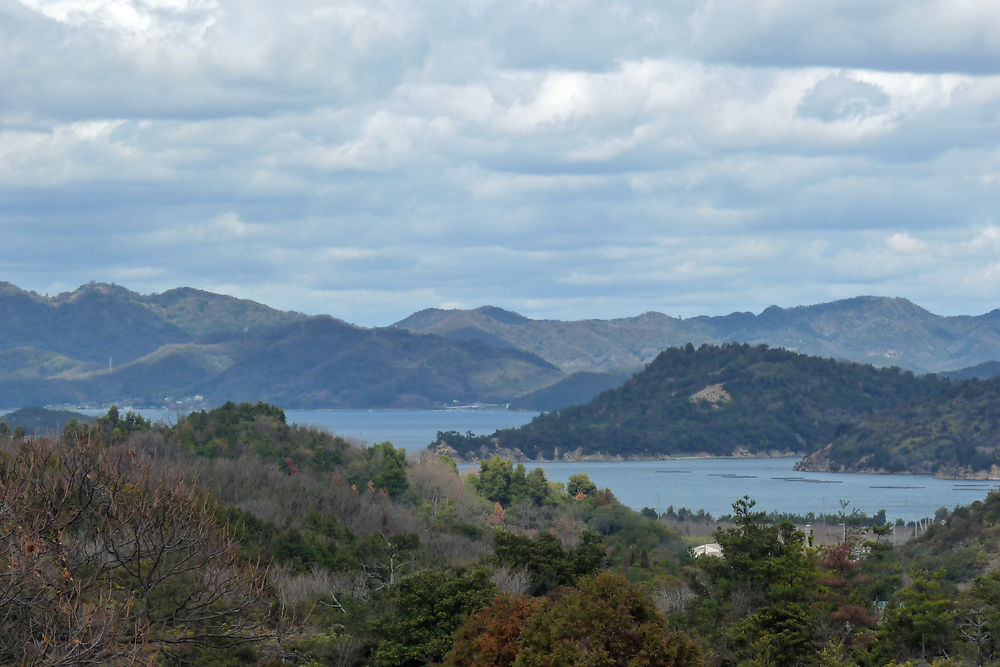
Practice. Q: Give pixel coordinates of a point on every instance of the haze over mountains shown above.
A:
(877, 330)
(103, 343)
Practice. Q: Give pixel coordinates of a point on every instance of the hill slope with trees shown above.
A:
(142, 350)
(234, 537)
(742, 400)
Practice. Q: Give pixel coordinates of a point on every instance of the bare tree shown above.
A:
(385, 570)
(160, 541)
(975, 629)
(436, 481)
(47, 613)
(513, 581)
(106, 559)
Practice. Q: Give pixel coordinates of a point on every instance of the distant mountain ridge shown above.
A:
(100, 321)
(882, 331)
(102, 344)
(582, 345)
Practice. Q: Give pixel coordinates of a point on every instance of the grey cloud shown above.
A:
(248, 59)
(590, 35)
(565, 159)
(932, 36)
(839, 97)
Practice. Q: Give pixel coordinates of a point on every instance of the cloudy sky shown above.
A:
(562, 158)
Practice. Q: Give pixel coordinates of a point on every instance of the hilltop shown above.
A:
(35, 420)
(103, 344)
(743, 400)
(98, 322)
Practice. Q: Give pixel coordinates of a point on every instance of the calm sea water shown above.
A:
(411, 429)
(709, 484)
(713, 485)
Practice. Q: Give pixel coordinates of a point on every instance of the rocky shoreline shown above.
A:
(577, 455)
(819, 461)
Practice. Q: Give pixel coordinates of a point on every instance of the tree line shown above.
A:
(233, 537)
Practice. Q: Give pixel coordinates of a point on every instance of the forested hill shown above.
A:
(108, 320)
(103, 344)
(739, 399)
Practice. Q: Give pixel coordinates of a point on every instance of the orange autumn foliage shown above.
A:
(491, 635)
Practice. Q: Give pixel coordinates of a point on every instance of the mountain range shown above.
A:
(103, 343)
(877, 330)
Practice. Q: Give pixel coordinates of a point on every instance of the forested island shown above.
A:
(745, 400)
(36, 420)
(234, 537)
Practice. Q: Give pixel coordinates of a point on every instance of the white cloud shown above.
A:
(218, 232)
(987, 240)
(571, 156)
(905, 244)
(560, 98)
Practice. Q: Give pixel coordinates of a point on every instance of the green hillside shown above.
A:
(324, 362)
(265, 543)
(742, 400)
(576, 388)
(200, 313)
(954, 435)
(138, 349)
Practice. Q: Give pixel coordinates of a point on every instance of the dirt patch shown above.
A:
(713, 393)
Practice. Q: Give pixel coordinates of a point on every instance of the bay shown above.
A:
(714, 484)
(709, 484)
(411, 429)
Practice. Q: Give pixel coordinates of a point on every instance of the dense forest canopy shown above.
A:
(738, 399)
(233, 537)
